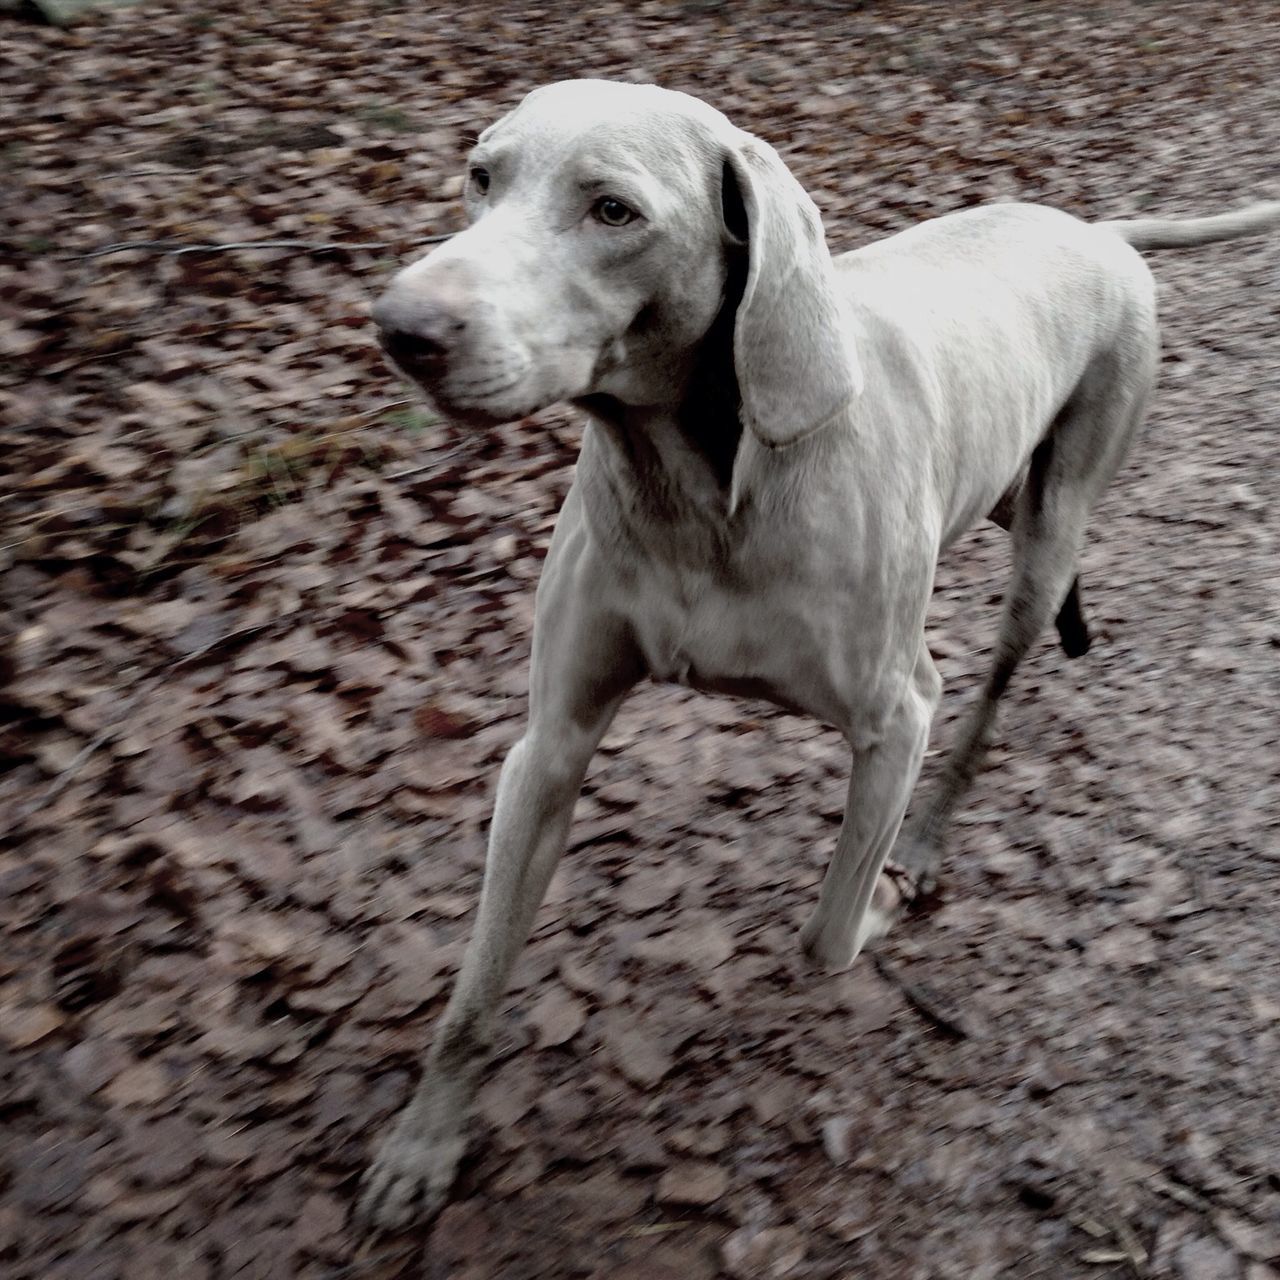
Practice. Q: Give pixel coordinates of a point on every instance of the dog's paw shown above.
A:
(409, 1180)
(830, 949)
(893, 893)
(823, 955)
(878, 920)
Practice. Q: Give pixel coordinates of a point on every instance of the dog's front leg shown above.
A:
(884, 774)
(415, 1166)
(583, 664)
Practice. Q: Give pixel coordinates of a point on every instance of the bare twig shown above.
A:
(923, 1003)
(64, 779)
(1192, 522)
(394, 1255)
(177, 249)
(148, 685)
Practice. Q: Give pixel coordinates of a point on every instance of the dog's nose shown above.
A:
(414, 350)
(419, 335)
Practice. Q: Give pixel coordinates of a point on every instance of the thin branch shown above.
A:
(147, 685)
(922, 1001)
(1192, 522)
(177, 249)
(360, 1266)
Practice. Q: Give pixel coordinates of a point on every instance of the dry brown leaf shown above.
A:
(141, 1084)
(558, 1017)
(694, 1183)
(23, 1027)
(640, 1057)
(751, 1254)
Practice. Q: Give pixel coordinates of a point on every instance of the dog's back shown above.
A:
(996, 314)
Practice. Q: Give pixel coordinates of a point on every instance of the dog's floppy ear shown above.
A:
(792, 350)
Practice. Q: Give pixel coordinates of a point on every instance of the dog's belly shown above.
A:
(759, 687)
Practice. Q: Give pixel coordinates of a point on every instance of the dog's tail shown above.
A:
(1186, 233)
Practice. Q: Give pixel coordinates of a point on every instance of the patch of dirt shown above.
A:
(264, 639)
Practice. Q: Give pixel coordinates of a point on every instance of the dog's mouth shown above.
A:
(475, 402)
(487, 387)
(434, 369)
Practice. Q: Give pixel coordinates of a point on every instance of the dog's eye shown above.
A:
(613, 213)
(480, 179)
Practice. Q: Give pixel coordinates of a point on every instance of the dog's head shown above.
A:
(606, 220)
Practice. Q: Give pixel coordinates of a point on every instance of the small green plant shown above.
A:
(382, 116)
(414, 421)
(271, 472)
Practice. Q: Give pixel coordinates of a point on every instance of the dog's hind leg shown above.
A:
(1068, 472)
(1043, 575)
(1073, 630)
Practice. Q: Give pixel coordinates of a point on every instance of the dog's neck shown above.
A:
(676, 461)
(709, 414)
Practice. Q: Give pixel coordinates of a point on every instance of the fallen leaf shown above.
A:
(694, 1183)
(21, 1028)
(751, 1254)
(642, 1059)
(558, 1017)
(141, 1084)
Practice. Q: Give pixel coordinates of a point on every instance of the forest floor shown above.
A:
(265, 631)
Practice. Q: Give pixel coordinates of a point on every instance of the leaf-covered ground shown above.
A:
(265, 625)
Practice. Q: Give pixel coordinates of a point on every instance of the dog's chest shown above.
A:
(771, 640)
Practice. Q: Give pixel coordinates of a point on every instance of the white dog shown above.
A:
(780, 445)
